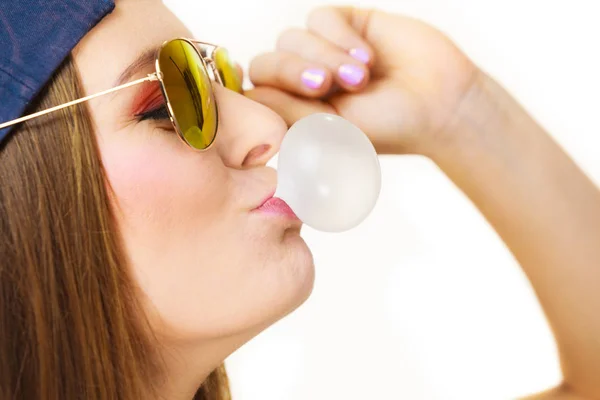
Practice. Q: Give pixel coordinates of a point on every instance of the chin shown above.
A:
(301, 270)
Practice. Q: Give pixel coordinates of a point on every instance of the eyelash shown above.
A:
(157, 114)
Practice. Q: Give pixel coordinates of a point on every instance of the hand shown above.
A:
(398, 79)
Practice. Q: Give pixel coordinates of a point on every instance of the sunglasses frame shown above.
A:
(205, 52)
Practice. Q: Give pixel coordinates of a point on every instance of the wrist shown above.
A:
(482, 120)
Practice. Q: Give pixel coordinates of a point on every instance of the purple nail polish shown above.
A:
(313, 78)
(360, 55)
(351, 74)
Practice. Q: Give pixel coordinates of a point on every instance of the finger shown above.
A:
(345, 27)
(291, 108)
(239, 70)
(290, 72)
(349, 73)
(240, 73)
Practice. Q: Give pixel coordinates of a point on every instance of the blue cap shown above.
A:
(35, 37)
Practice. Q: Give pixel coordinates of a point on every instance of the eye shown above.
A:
(157, 114)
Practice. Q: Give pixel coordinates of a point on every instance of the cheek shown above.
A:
(159, 185)
(204, 265)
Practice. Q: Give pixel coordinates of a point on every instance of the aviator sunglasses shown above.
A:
(185, 69)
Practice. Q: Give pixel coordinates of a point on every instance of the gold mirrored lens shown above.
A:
(189, 92)
(227, 70)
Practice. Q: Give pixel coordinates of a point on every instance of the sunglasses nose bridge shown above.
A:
(213, 69)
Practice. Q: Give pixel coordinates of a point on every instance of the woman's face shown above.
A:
(210, 265)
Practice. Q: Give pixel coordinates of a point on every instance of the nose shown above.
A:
(249, 133)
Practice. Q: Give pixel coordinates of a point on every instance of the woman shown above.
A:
(132, 264)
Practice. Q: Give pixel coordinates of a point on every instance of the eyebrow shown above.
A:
(146, 58)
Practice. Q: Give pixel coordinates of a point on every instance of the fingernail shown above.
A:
(361, 55)
(313, 78)
(351, 74)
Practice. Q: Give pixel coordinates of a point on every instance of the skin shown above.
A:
(422, 95)
(212, 272)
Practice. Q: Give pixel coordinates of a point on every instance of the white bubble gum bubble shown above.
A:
(329, 173)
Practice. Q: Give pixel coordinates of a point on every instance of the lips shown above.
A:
(276, 206)
(269, 197)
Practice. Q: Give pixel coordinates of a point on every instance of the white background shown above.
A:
(423, 301)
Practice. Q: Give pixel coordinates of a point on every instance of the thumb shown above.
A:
(344, 27)
(390, 38)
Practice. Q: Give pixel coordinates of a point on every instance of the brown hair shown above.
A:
(70, 324)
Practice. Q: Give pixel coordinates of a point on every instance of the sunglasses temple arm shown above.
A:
(150, 77)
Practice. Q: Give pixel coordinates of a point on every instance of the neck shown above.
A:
(187, 366)
(185, 369)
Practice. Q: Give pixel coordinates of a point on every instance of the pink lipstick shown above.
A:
(276, 206)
